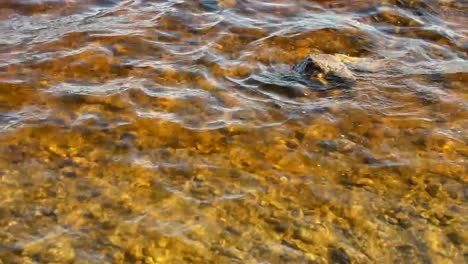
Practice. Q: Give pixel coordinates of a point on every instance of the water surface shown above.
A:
(136, 131)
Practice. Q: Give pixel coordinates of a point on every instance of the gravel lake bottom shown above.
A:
(233, 131)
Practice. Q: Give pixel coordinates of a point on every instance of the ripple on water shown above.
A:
(178, 132)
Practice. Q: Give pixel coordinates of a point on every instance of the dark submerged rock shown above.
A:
(328, 145)
(455, 238)
(338, 256)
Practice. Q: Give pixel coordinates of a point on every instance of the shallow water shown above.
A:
(139, 131)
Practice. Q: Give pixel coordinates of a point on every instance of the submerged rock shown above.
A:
(325, 68)
(338, 256)
(320, 72)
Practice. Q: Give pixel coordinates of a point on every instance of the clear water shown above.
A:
(172, 132)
